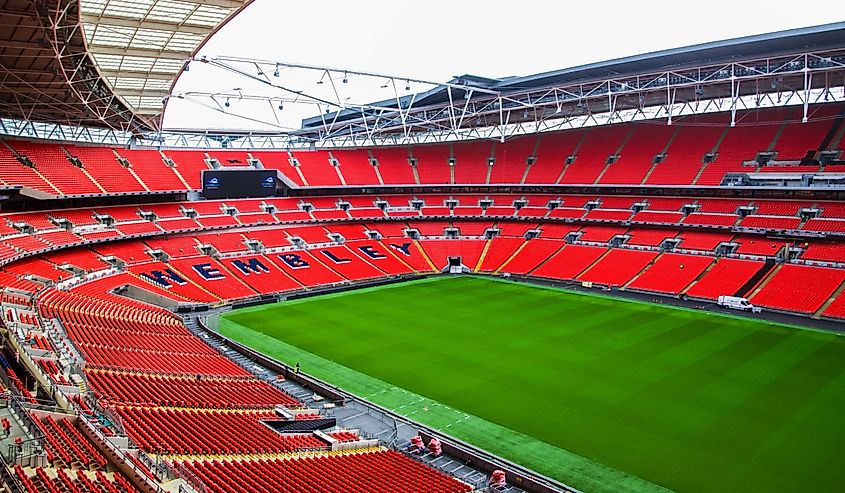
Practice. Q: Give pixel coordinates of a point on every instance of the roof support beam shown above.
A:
(139, 74)
(172, 27)
(229, 4)
(140, 52)
(146, 93)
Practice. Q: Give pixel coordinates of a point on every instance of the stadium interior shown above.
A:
(112, 253)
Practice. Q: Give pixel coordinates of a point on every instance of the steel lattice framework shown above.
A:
(463, 109)
(98, 63)
(90, 101)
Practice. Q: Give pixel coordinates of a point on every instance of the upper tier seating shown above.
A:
(393, 166)
(593, 153)
(511, 160)
(551, 156)
(684, 158)
(316, 168)
(101, 163)
(637, 156)
(53, 164)
(189, 165)
(432, 164)
(576, 157)
(13, 173)
(796, 140)
(356, 168)
(150, 168)
(738, 148)
(471, 161)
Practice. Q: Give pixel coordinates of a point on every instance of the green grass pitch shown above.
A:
(601, 393)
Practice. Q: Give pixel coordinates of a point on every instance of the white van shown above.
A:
(737, 303)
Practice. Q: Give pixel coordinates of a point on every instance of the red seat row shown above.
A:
(186, 391)
(213, 432)
(382, 471)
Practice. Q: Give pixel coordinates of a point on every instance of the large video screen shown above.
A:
(238, 183)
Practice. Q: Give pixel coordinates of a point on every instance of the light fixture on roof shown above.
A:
(227, 103)
(281, 105)
(276, 72)
(345, 78)
(407, 85)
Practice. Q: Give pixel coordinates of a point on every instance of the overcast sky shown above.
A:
(437, 39)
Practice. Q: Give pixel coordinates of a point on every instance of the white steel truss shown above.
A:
(466, 111)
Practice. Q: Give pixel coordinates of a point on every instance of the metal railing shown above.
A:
(10, 480)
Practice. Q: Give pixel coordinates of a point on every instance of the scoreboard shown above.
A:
(238, 183)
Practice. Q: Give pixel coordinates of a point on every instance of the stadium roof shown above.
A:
(814, 38)
(763, 46)
(99, 63)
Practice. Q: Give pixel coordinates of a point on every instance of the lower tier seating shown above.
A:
(799, 288)
(724, 278)
(671, 273)
(65, 444)
(60, 480)
(381, 471)
(618, 267)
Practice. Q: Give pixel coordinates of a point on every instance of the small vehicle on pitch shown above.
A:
(737, 303)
